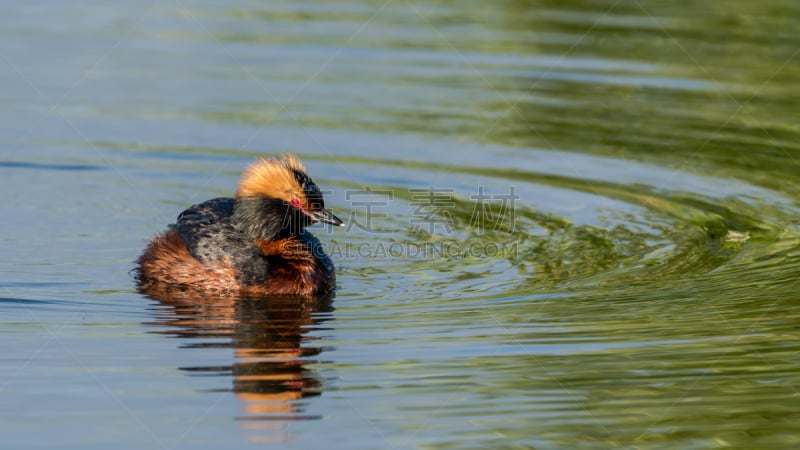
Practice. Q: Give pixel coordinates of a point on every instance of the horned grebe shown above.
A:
(255, 243)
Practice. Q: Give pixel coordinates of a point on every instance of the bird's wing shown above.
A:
(207, 230)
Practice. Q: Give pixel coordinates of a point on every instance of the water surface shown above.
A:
(571, 225)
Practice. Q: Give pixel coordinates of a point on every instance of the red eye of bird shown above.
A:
(295, 202)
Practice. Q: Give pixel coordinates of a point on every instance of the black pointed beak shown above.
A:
(325, 216)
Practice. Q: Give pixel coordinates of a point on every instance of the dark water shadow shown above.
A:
(48, 166)
(25, 301)
(271, 350)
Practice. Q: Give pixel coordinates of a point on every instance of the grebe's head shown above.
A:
(276, 197)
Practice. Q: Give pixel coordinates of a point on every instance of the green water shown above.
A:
(571, 224)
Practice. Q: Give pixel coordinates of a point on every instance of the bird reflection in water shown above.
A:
(271, 350)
